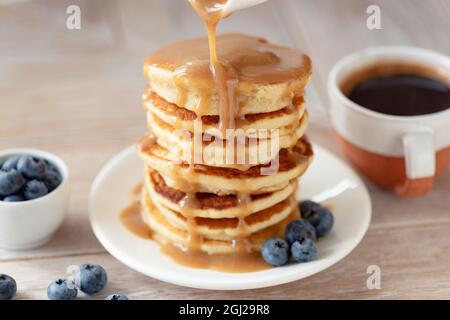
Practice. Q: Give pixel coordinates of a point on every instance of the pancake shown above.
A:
(212, 205)
(292, 163)
(182, 118)
(268, 76)
(165, 232)
(228, 228)
(169, 138)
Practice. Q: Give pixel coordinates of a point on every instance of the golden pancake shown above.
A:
(211, 205)
(228, 228)
(292, 163)
(268, 76)
(181, 118)
(165, 232)
(180, 143)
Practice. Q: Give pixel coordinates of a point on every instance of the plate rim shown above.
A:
(246, 284)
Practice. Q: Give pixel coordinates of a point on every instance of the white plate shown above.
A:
(328, 180)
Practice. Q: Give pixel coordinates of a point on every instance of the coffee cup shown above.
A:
(401, 153)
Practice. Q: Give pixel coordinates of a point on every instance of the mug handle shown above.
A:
(420, 162)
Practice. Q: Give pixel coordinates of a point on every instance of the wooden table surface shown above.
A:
(77, 94)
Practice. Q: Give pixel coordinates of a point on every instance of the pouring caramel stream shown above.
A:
(225, 77)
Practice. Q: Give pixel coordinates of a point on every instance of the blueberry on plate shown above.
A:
(14, 198)
(31, 167)
(299, 230)
(34, 189)
(62, 289)
(307, 207)
(11, 163)
(91, 278)
(322, 220)
(11, 181)
(52, 178)
(275, 251)
(116, 296)
(8, 287)
(304, 251)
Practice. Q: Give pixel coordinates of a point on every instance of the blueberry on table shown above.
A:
(34, 189)
(31, 167)
(8, 287)
(299, 230)
(322, 220)
(14, 198)
(62, 289)
(11, 181)
(275, 251)
(11, 163)
(307, 207)
(116, 296)
(91, 278)
(304, 251)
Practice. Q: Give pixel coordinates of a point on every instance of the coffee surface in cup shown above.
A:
(399, 92)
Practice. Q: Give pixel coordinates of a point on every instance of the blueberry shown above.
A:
(8, 287)
(62, 289)
(307, 206)
(322, 219)
(304, 251)
(34, 189)
(299, 230)
(14, 198)
(91, 278)
(116, 296)
(52, 179)
(11, 181)
(11, 163)
(31, 167)
(275, 251)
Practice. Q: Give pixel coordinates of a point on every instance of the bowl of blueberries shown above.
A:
(34, 194)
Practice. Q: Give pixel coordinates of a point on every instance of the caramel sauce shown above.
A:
(254, 60)
(224, 76)
(232, 263)
(136, 191)
(132, 220)
(187, 204)
(218, 64)
(241, 242)
(131, 217)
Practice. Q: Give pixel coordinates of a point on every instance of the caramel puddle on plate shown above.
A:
(132, 220)
(231, 263)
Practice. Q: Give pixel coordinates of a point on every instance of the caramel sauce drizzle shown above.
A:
(225, 81)
(225, 77)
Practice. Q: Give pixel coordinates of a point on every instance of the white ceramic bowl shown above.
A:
(29, 224)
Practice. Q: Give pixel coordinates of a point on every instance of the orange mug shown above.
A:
(402, 153)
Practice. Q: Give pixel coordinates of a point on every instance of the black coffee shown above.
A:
(401, 94)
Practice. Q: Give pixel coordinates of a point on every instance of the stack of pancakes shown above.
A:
(224, 206)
